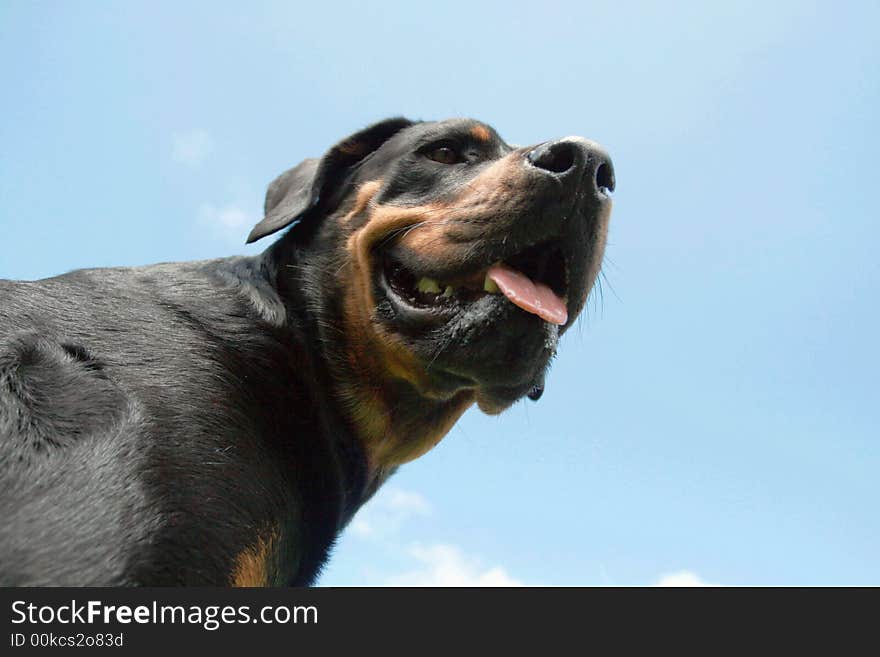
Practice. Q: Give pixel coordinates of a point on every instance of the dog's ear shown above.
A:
(299, 190)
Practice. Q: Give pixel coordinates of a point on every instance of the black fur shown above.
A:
(157, 422)
(159, 419)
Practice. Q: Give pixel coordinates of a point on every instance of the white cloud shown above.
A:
(362, 527)
(434, 564)
(446, 565)
(228, 222)
(383, 516)
(191, 148)
(682, 578)
(407, 502)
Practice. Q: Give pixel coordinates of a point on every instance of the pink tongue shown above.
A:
(532, 297)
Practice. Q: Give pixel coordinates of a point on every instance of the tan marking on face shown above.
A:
(398, 452)
(360, 302)
(376, 355)
(483, 199)
(364, 398)
(430, 236)
(480, 133)
(364, 195)
(252, 565)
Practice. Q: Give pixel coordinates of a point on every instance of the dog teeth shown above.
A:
(428, 285)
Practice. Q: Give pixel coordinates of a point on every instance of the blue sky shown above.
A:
(714, 415)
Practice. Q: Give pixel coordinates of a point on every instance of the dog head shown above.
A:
(440, 264)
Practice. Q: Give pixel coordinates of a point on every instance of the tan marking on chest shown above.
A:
(253, 565)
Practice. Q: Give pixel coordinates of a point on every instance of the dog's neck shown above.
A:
(391, 421)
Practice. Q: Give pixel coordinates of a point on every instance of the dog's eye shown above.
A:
(444, 155)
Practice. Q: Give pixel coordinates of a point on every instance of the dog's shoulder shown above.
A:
(53, 388)
(67, 437)
(51, 393)
(110, 389)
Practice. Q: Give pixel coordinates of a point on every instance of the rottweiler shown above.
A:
(219, 422)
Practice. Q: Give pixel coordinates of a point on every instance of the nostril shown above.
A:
(556, 158)
(605, 178)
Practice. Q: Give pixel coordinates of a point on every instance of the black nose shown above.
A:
(572, 157)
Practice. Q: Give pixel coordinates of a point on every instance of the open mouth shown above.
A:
(534, 280)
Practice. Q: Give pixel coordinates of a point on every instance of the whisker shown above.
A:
(608, 283)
